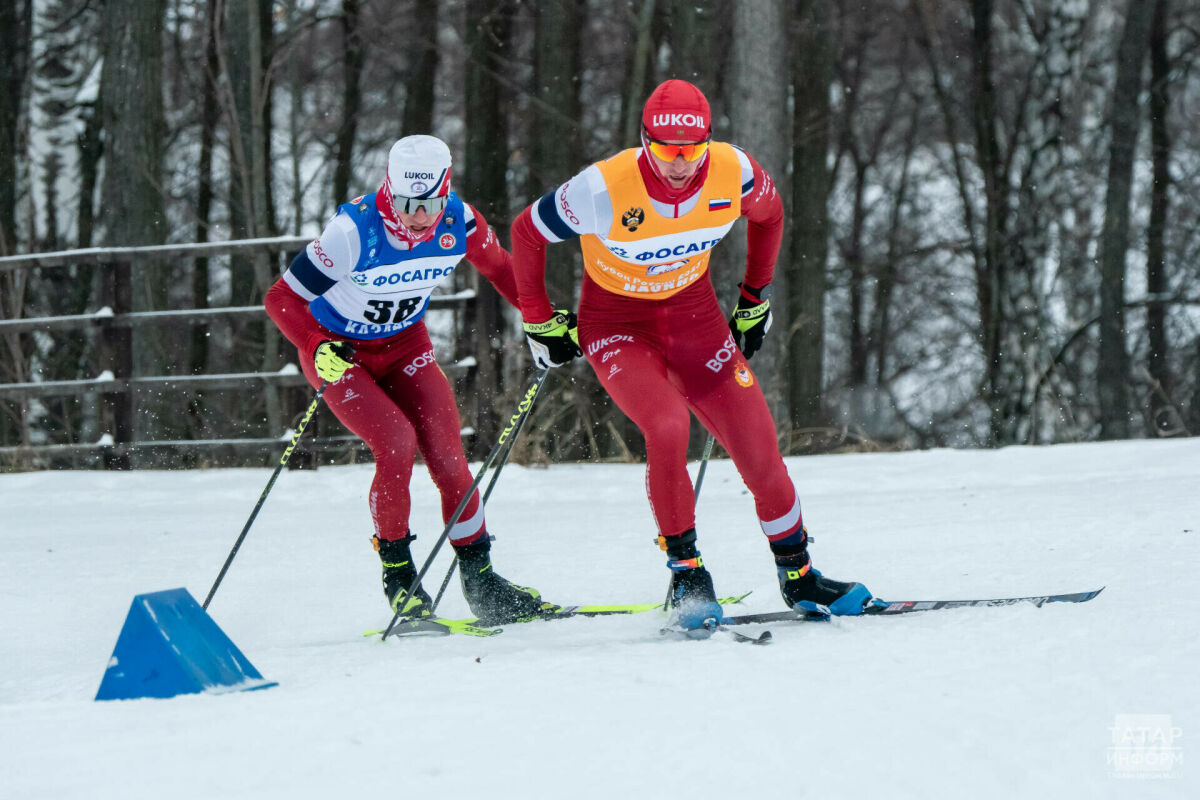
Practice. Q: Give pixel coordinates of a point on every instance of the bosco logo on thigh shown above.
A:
(423, 360)
(722, 356)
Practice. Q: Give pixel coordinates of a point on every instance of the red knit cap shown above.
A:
(677, 111)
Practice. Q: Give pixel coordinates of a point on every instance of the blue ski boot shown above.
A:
(692, 597)
(806, 589)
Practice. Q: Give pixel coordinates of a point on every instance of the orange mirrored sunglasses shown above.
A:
(669, 152)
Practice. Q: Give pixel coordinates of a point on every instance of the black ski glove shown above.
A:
(751, 319)
(554, 342)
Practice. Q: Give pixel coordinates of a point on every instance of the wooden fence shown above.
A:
(113, 385)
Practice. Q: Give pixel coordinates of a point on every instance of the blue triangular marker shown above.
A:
(168, 646)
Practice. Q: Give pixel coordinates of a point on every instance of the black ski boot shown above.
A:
(806, 589)
(399, 574)
(492, 598)
(692, 594)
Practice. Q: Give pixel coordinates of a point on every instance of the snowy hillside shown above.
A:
(973, 703)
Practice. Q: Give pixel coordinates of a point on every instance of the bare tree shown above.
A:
(813, 54)
(488, 40)
(65, 52)
(15, 19)
(418, 94)
(554, 148)
(247, 52)
(1113, 373)
(759, 80)
(1016, 177)
(695, 32)
(353, 57)
(870, 110)
(134, 203)
(1156, 266)
(640, 74)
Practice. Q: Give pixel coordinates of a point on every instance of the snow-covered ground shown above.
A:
(973, 703)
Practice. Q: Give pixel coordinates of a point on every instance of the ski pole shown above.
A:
(708, 448)
(514, 424)
(262, 498)
(487, 493)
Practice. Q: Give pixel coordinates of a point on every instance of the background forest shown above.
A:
(993, 234)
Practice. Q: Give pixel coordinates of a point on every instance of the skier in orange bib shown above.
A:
(650, 325)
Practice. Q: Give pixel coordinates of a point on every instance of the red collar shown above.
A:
(658, 189)
(391, 220)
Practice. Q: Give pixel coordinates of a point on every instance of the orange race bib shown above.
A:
(645, 254)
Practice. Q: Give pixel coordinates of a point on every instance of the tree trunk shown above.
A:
(352, 67)
(265, 121)
(488, 41)
(296, 92)
(758, 96)
(696, 31)
(15, 20)
(91, 150)
(247, 38)
(556, 144)
(991, 283)
(1113, 369)
(803, 339)
(640, 69)
(1156, 262)
(133, 208)
(198, 351)
(266, 269)
(853, 253)
(248, 110)
(419, 83)
(64, 56)
(889, 275)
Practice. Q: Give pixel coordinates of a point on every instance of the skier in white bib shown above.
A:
(352, 302)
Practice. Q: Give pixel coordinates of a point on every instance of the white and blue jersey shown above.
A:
(362, 283)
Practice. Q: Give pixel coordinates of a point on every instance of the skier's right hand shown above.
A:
(554, 342)
(332, 359)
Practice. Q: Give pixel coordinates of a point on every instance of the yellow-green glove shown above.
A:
(332, 359)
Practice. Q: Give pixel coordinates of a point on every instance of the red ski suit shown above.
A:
(396, 398)
(649, 321)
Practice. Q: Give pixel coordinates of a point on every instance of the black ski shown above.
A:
(708, 631)
(762, 638)
(883, 608)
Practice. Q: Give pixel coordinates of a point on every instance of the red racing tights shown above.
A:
(660, 359)
(397, 400)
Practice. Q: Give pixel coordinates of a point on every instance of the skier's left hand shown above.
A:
(751, 319)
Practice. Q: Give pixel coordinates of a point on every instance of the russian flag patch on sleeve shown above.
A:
(720, 204)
